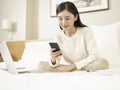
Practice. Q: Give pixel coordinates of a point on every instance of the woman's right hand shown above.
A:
(54, 55)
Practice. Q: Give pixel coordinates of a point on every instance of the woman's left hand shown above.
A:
(66, 68)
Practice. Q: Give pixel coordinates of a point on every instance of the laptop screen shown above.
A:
(7, 58)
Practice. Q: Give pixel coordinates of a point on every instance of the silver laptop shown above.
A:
(7, 58)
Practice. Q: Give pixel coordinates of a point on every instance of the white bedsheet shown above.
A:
(79, 80)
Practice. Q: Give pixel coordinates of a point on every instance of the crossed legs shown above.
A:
(95, 65)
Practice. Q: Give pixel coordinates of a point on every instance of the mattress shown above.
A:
(77, 80)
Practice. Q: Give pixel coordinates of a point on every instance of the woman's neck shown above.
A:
(71, 32)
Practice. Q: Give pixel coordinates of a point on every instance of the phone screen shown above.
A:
(54, 45)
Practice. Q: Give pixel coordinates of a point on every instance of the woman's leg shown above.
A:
(45, 67)
(97, 65)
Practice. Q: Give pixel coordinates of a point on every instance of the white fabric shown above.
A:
(108, 42)
(100, 80)
(107, 38)
(39, 51)
(80, 48)
(35, 52)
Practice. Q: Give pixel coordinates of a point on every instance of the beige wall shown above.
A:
(22, 13)
(32, 18)
(104, 17)
(14, 10)
(49, 26)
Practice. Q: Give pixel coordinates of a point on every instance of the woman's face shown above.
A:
(66, 20)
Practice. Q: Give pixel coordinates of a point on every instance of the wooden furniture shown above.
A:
(16, 49)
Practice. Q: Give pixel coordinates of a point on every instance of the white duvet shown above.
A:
(79, 80)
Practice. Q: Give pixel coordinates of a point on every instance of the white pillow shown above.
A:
(35, 52)
(108, 41)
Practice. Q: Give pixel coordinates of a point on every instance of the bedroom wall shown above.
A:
(22, 14)
(14, 10)
(32, 18)
(48, 26)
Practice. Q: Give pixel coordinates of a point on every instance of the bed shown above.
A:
(108, 40)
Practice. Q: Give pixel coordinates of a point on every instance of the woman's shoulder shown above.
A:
(85, 29)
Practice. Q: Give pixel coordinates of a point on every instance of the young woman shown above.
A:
(78, 48)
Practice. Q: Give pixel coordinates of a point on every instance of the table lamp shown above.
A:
(7, 25)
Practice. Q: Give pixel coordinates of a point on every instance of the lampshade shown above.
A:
(6, 24)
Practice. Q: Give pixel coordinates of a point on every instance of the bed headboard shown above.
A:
(16, 49)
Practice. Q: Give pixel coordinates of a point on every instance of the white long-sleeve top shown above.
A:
(79, 49)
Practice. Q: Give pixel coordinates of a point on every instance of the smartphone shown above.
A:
(54, 45)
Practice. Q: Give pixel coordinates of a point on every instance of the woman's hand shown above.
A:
(54, 55)
(66, 68)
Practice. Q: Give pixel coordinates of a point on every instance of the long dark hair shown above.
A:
(69, 6)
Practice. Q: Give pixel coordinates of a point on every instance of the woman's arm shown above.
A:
(66, 68)
(91, 48)
(55, 57)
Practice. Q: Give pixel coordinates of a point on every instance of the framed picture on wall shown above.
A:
(82, 5)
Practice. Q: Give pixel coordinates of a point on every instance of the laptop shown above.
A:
(10, 64)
